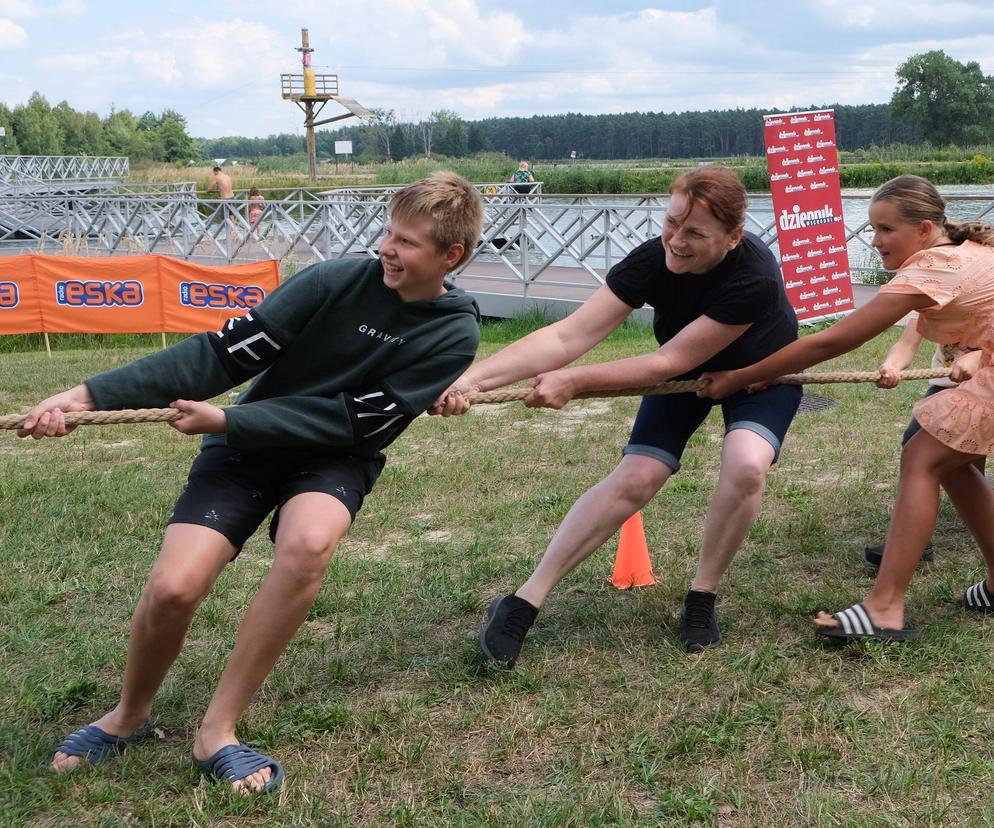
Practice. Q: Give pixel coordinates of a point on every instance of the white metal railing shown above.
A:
(554, 241)
(48, 169)
(492, 191)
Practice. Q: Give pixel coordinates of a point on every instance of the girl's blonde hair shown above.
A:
(917, 200)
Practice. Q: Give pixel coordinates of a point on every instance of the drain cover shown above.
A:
(814, 402)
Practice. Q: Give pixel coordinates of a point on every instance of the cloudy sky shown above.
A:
(218, 63)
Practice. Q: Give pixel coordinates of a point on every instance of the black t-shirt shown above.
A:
(746, 287)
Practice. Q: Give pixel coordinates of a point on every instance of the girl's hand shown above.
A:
(720, 384)
(890, 376)
(965, 366)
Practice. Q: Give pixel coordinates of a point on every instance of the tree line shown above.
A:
(38, 128)
(937, 99)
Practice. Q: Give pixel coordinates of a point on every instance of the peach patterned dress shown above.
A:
(960, 278)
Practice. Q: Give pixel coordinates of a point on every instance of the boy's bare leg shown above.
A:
(310, 527)
(191, 559)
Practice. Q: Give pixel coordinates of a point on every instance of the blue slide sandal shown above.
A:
(234, 762)
(96, 745)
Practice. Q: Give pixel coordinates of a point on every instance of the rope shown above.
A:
(126, 415)
(165, 415)
(685, 386)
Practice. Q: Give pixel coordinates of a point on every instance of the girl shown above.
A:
(256, 207)
(945, 271)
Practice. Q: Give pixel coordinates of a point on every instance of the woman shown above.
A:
(945, 271)
(522, 179)
(719, 303)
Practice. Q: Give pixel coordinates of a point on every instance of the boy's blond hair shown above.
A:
(451, 203)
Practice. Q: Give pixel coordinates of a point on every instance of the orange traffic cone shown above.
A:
(632, 566)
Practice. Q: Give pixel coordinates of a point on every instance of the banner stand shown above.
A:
(802, 158)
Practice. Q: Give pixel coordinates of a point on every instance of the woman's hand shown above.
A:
(721, 384)
(452, 402)
(199, 418)
(47, 418)
(551, 390)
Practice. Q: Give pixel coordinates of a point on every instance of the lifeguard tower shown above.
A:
(311, 92)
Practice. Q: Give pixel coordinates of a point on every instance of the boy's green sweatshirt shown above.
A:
(341, 363)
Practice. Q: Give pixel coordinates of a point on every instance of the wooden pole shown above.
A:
(311, 144)
(48, 345)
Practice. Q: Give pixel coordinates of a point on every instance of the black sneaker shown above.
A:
(875, 554)
(698, 621)
(508, 620)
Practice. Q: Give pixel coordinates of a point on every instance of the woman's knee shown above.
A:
(747, 477)
(637, 479)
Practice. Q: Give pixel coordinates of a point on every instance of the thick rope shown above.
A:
(165, 415)
(685, 386)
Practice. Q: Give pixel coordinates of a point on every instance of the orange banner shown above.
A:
(126, 294)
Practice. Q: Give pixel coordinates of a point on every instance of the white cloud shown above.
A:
(979, 48)
(423, 33)
(29, 8)
(900, 15)
(12, 36)
(481, 58)
(69, 8)
(186, 58)
(18, 8)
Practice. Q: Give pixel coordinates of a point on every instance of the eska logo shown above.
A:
(74, 293)
(8, 295)
(203, 295)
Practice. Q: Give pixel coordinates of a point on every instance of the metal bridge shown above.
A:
(34, 173)
(534, 247)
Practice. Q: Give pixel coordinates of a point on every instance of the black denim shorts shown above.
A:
(232, 491)
(665, 422)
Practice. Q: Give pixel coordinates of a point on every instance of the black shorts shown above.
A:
(666, 421)
(232, 491)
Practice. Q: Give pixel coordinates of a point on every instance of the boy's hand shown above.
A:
(46, 419)
(965, 366)
(199, 418)
(551, 390)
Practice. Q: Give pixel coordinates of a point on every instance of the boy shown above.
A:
(345, 354)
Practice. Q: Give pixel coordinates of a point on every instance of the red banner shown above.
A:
(807, 206)
(126, 294)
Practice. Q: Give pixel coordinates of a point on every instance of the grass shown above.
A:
(381, 708)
